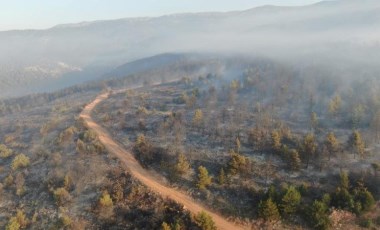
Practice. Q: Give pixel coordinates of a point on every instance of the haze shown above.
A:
(43, 14)
(34, 60)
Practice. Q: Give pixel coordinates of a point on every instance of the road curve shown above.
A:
(146, 177)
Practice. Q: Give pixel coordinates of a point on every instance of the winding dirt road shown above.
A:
(146, 177)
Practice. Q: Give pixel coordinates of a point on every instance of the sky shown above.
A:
(42, 14)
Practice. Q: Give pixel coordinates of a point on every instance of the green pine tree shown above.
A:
(203, 179)
(221, 177)
(290, 201)
(268, 210)
(319, 215)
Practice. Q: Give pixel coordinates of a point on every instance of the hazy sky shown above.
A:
(38, 14)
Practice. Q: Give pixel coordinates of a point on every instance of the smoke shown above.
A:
(338, 34)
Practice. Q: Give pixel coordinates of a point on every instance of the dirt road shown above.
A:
(145, 176)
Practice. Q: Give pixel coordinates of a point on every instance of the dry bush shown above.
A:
(61, 196)
(105, 206)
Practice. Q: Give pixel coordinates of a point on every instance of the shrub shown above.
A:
(105, 200)
(61, 196)
(81, 147)
(13, 224)
(56, 159)
(142, 110)
(366, 223)
(98, 147)
(20, 161)
(182, 166)
(143, 149)
(88, 136)
(66, 135)
(19, 182)
(238, 164)
(221, 177)
(65, 221)
(17, 222)
(5, 152)
(204, 221)
(9, 180)
(198, 117)
(68, 182)
(21, 219)
(105, 206)
(117, 192)
(377, 220)
(165, 226)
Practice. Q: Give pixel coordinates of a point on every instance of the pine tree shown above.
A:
(290, 201)
(357, 115)
(276, 140)
(313, 121)
(344, 180)
(268, 210)
(356, 143)
(334, 106)
(203, 179)
(67, 182)
(343, 199)
(376, 168)
(309, 148)
(272, 193)
(364, 197)
(375, 125)
(221, 177)
(319, 215)
(295, 161)
(198, 117)
(256, 138)
(238, 145)
(182, 166)
(331, 144)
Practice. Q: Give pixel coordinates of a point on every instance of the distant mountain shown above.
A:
(71, 53)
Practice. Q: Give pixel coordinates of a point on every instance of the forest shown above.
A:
(260, 142)
(255, 140)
